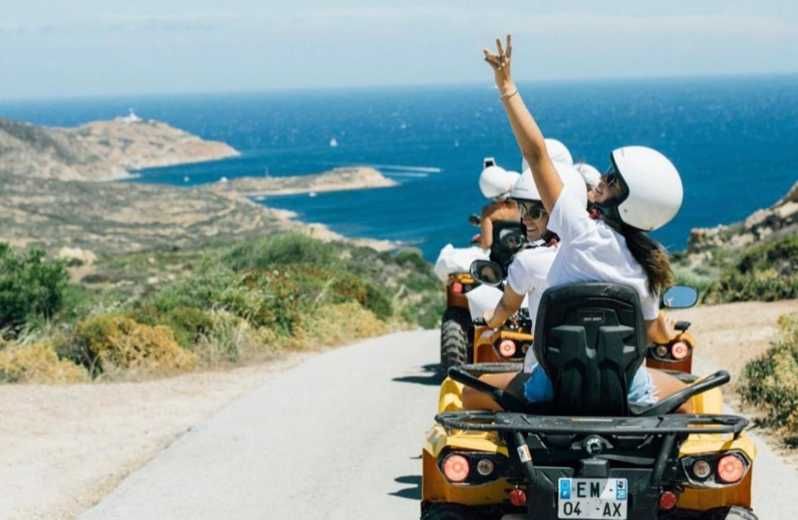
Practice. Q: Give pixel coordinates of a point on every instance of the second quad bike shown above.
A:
(458, 334)
(588, 453)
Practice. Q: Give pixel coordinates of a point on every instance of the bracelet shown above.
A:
(511, 94)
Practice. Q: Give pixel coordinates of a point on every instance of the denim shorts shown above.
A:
(538, 387)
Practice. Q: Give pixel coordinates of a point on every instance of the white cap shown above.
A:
(558, 152)
(496, 183)
(591, 175)
(525, 188)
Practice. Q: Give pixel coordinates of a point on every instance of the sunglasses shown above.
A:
(533, 210)
(612, 177)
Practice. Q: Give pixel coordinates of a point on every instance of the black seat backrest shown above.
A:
(590, 338)
(498, 252)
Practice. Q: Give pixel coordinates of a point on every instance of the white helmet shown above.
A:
(558, 152)
(591, 175)
(653, 187)
(495, 182)
(525, 188)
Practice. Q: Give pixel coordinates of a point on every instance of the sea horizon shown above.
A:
(726, 135)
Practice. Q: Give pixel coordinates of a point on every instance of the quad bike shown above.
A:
(588, 453)
(512, 341)
(458, 333)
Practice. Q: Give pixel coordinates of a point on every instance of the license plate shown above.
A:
(594, 498)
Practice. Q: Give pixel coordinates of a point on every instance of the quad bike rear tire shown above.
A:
(454, 338)
(739, 513)
(442, 511)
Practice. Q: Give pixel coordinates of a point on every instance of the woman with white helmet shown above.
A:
(641, 192)
(496, 183)
(529, 269)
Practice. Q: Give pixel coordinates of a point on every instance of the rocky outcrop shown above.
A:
(100, 151)
(779, 220)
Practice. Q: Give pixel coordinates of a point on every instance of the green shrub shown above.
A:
(31, 286)
(282, 249)
(765, 272)
(770, 381)
(189, 324)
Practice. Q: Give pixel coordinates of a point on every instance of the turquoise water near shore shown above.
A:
(734, 139)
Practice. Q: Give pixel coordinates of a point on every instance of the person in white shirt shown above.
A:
(641, 192)
(527, 274)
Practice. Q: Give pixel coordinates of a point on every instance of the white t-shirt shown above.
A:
(591, 251)
(527, 274)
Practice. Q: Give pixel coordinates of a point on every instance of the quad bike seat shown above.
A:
(590, 338)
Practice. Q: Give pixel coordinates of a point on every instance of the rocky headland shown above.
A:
(101, 150)
(50, 196)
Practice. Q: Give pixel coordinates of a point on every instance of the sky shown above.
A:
(60, 48)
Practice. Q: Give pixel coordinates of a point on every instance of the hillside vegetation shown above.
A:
(219, 305)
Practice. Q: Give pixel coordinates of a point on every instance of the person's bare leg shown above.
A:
(668, 385)
(476, 400)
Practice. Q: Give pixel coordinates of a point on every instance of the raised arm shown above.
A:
(527, 133)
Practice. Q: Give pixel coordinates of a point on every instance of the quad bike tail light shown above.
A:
(455, 467)
(717, 469)
(457, 287)
(731, 469)
(661, 351)
(507, 348)
(679, 351)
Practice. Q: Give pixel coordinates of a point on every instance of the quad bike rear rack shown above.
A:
(547, 424)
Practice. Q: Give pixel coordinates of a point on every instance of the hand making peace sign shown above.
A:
(500, 63)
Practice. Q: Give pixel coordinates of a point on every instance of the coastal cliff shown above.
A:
(756, 259)
(101, 150)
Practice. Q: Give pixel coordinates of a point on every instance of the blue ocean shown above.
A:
(734, 140)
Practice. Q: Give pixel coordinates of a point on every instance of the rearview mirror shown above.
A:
(487, 272)
(680, 297)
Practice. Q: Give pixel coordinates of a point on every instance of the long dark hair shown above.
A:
(651, 256)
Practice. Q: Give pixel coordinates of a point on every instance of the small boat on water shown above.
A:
(333, 143)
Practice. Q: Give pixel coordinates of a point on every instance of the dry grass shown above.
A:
(38, 363)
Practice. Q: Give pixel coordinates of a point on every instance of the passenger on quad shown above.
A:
(640, 192)
(495, 183)
(526, 275)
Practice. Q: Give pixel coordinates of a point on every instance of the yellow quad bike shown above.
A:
(587, 453)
